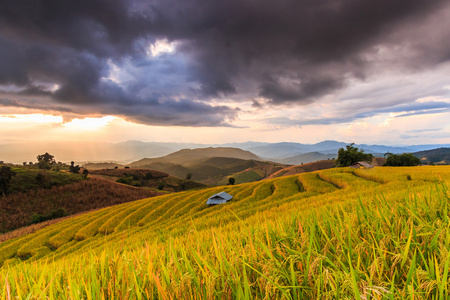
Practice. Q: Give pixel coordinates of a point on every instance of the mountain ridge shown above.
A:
(187, 156)
(130, 151)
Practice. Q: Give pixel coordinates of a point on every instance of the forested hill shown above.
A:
(185, 156)
(438, 156)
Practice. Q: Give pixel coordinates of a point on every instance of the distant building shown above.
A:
(362, 164)
(219, 198)
(378, 161)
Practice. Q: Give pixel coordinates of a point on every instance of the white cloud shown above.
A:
(160, 46)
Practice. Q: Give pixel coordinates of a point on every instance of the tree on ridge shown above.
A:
(351, 155)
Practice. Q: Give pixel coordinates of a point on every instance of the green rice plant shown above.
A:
(110, 224)
(70, 248)
(312, 182)
(38, 240)
(68, 234)
(91, 229)
(133, 218)
(168, 212)
(156, 217)
(366, 241)
(159, 205)
(334, 177)
(9, 248)
(12, 261)
(243, 191)
(261, 192)
(373, 175)
(186, 213)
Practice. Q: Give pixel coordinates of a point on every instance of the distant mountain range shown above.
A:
(129, 151)
(288, 150)
(437, 156)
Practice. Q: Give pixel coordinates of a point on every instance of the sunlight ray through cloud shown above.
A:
(160, 46)
(89, 123)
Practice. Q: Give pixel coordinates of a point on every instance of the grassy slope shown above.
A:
(309, 167)
(26, 179)
(330, 234)
(308, 158)
(259, 172)
(210, 170)
(155, 180)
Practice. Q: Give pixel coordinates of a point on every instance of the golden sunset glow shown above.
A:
(89, 123)
(31, 118)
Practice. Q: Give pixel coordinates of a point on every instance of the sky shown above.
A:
(373, 71)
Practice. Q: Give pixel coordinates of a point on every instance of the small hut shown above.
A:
(362, 164)
(219, 198)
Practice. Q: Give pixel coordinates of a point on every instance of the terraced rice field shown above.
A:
(339, 233)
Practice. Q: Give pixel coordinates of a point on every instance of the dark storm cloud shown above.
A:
(71, 44)
(316, 45)
(33, 105)
(287, 51)
(193, 114)
(102, 27)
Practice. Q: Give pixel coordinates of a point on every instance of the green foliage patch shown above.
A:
(28, 178)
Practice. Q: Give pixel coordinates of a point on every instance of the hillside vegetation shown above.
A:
(260, 171)
(437, 156)
(308, 158)
(185, 156)
(148, 178)
(102, 165)
(209, 170)
(309, 167)
(32, 178)
(334, 234)
(20, 209)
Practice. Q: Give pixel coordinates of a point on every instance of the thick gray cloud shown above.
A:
(288, 51)
(295, 50)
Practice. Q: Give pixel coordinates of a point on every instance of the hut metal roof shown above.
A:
(219, 198)
(365, 164)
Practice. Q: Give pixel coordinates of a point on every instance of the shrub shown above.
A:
(43, 179)
(54, 214)
(37, 218)
(401, 160)
(5, 179)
